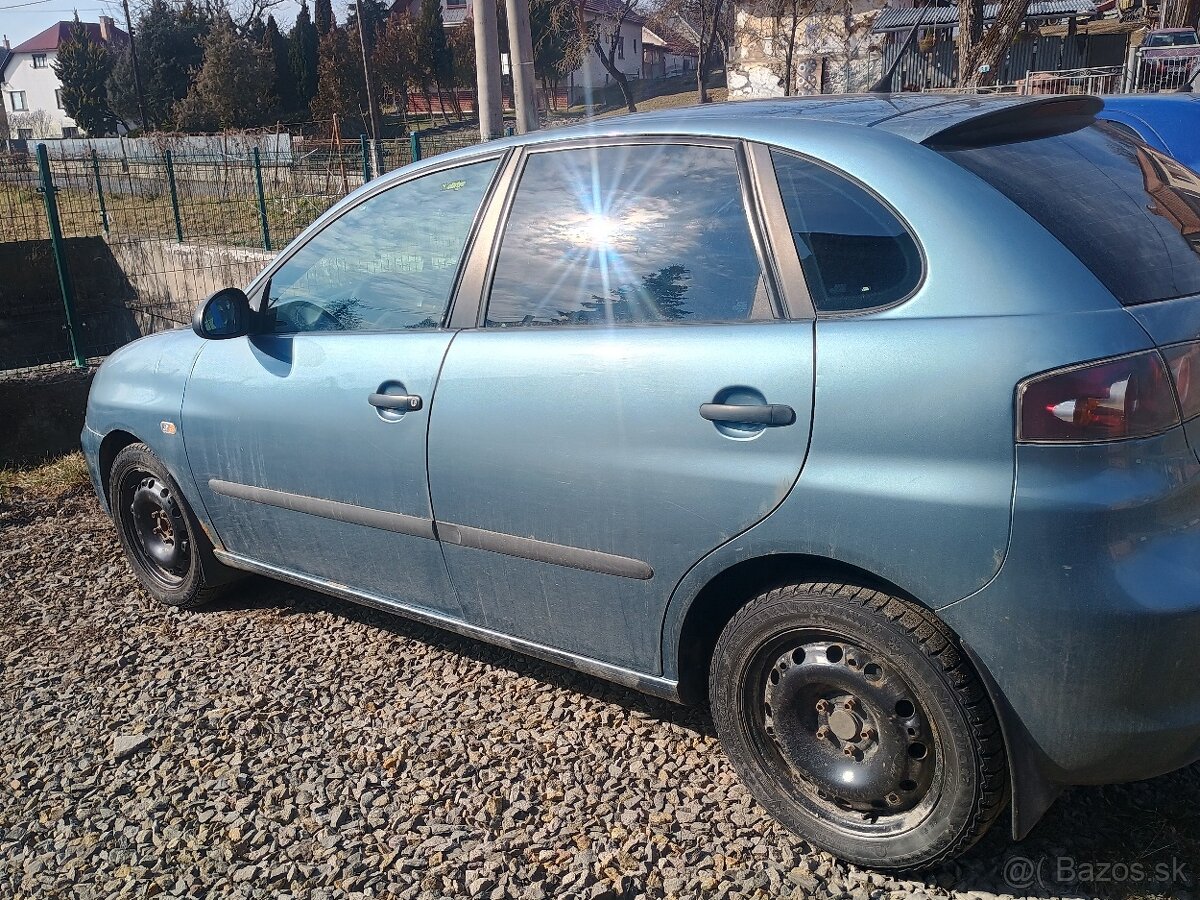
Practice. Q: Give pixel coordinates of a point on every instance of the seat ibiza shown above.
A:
(870, 421)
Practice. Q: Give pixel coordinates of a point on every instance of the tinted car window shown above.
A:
(389, 263)
(618, 235)
(856, 254)
(1130, 213)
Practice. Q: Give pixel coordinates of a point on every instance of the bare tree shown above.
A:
(37, 121)
(980, 51)
(708, 25)
(609, 44)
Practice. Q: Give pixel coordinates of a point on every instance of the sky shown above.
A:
(22, 19)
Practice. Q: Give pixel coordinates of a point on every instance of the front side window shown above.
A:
(17, 98)
(39, 60)
(628, 234)
(58, 98)
(388, 263)
(855, 253)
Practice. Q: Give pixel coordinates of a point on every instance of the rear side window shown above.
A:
(1130, 213)
(620, 235)
(856, 254)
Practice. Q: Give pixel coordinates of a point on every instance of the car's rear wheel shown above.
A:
(856, 720)
(161, 538)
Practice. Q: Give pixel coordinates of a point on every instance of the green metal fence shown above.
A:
(98, 248)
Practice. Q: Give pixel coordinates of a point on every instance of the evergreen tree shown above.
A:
(435, 60)
(169, 51)
(375, 12)
(395, 66)
(276, 46)
(558, 48)
(340, 87)
(324, 18)
(232, 88)
(84, 66)
(302, 58)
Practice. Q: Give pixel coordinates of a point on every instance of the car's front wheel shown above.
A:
(857, 721)
(158, 532)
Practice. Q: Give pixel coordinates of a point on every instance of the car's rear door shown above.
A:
(634, 393)
(308, 442)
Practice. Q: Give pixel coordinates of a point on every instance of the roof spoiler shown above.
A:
(1035, 118)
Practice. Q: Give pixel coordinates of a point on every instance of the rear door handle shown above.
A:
(398, 402)
(769, 414)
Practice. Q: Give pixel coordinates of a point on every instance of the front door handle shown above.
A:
(769, 414)
(398, 402)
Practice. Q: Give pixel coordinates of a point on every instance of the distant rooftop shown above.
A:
(53, 37)
(947, 16)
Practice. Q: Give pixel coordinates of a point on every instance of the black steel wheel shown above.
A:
(164, 544)
(856, 720)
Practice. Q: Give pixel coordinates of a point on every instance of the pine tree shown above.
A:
(84, 67)
(302, 58)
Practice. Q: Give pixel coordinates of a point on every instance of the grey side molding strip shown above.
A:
(462, 535)
(544, 551)
(328, 509)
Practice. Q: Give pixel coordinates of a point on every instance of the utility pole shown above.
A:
(372, 94)
(137, 75)
(487, 68)
(520, 52)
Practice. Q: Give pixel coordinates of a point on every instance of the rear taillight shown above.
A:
(1127, 397)
(1184, 363)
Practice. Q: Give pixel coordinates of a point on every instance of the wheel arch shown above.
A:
(112, 444)
(717, 602)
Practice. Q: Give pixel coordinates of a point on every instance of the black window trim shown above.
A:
(789, 248)
(260, 287)
(487, 251)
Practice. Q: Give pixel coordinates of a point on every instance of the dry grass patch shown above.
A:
(51, 479)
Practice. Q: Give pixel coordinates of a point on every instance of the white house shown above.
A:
(30, 89)
(628, 58)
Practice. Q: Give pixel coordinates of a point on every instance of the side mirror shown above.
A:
(225, 314)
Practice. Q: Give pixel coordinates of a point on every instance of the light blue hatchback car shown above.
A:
(869, 420)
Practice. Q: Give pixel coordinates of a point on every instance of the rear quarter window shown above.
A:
(855, 253)
(1130, 213)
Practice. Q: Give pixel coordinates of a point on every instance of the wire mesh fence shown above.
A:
(138, 232)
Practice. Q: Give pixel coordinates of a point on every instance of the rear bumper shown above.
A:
(1091, 628)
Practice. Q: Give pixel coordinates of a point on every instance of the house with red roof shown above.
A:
(30, 88)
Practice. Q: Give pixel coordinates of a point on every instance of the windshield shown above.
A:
(1130, 213)
(1172, 39)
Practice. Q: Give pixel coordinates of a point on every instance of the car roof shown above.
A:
(919, 117)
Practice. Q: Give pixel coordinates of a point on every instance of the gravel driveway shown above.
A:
(286, 744)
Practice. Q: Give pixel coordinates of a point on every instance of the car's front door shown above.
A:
(632, 398)
(308, 442)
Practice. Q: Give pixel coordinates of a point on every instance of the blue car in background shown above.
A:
(1169, 123)
(870, 421)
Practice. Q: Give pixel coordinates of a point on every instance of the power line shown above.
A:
(30, 3)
